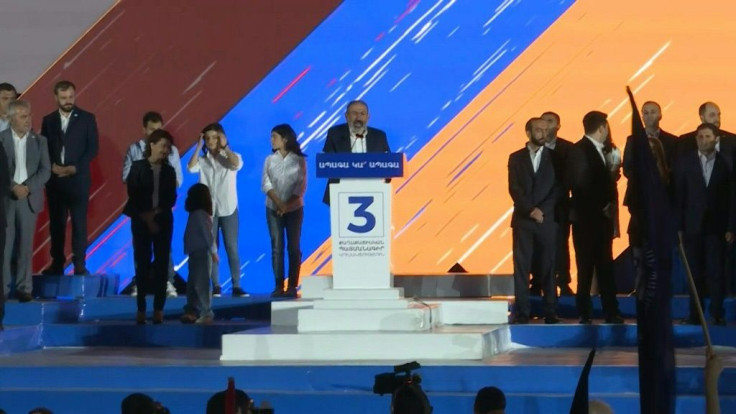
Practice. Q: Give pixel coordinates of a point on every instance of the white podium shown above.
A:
(362, 297)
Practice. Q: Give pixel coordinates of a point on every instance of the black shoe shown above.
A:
(23, 297)
(520, 320)
(290, 292)
(566, 291)
(551, 319)
(689, 321)
(217, 291)
(81, 271)
(277, 293)
(239, 293)
(53, 270)
(615, 320)
(720, 321)
(585, 321)
(535, 291)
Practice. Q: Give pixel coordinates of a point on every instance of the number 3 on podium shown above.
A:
(361, 211)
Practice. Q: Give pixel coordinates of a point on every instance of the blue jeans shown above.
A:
(291, 224)
(229, 226)
(199, 294)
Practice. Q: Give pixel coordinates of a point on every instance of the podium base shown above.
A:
(412, 318)
(284, 344)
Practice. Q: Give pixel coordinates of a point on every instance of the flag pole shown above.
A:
(694, 295)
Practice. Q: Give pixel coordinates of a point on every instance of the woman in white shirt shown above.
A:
(284, 183)
(217, 167)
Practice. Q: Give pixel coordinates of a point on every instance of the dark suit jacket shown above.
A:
(140, 188)
(592, 187)
(669, 143)
(338, 140)
(4, 189)
(561, 159)
(700, 209)
(80, 142)
(37, 165)
(529, 189)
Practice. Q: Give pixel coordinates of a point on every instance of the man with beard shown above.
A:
(704, 196)
(354, 136)
(651, 114)
(709, 113)
(592, 216)
(535, 191)
(72, 140)
(560, 155)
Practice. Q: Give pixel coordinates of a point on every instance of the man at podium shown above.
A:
(354, 136)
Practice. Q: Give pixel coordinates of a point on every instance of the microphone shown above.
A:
(362, 139)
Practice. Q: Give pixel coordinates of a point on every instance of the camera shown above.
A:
(388, 382)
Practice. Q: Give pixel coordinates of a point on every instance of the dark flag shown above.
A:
(580, 400)
(653, 212)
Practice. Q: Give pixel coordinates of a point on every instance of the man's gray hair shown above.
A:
(14, 105)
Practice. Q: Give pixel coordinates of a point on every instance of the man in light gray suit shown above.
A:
(29, 168)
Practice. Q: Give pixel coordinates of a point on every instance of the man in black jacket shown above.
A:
(709, 113)
(560, 155)
(592, 214)
(705, 215)
(355, 136)
(534, 189)
(72, 139)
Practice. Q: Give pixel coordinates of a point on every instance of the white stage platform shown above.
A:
(443, 343)
(322, 330)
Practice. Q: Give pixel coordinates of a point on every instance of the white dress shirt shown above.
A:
(64, 125)
(216, 173)
(598, 147)
(358, 144)
(287, 176)
(551, 145)
(4, 124)
(706, 164)
(19, 146)
(536, 156)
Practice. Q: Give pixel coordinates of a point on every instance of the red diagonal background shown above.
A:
(190, 60)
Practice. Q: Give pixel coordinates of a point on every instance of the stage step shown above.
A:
(443, 285)
(451, 311)
(118, 308)
(285, 344)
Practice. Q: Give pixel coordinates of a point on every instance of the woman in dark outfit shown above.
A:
(151, 196)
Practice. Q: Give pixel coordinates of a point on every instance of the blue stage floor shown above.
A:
(85, 356)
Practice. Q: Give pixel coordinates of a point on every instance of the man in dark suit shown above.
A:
(705, 215)
(72, 140)
(29, 169)
(4, 189)
(354, 136)
(651, 115)
(709, 113)
(535, 191)
(726, 144)
(592, 212)
(560, 156)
